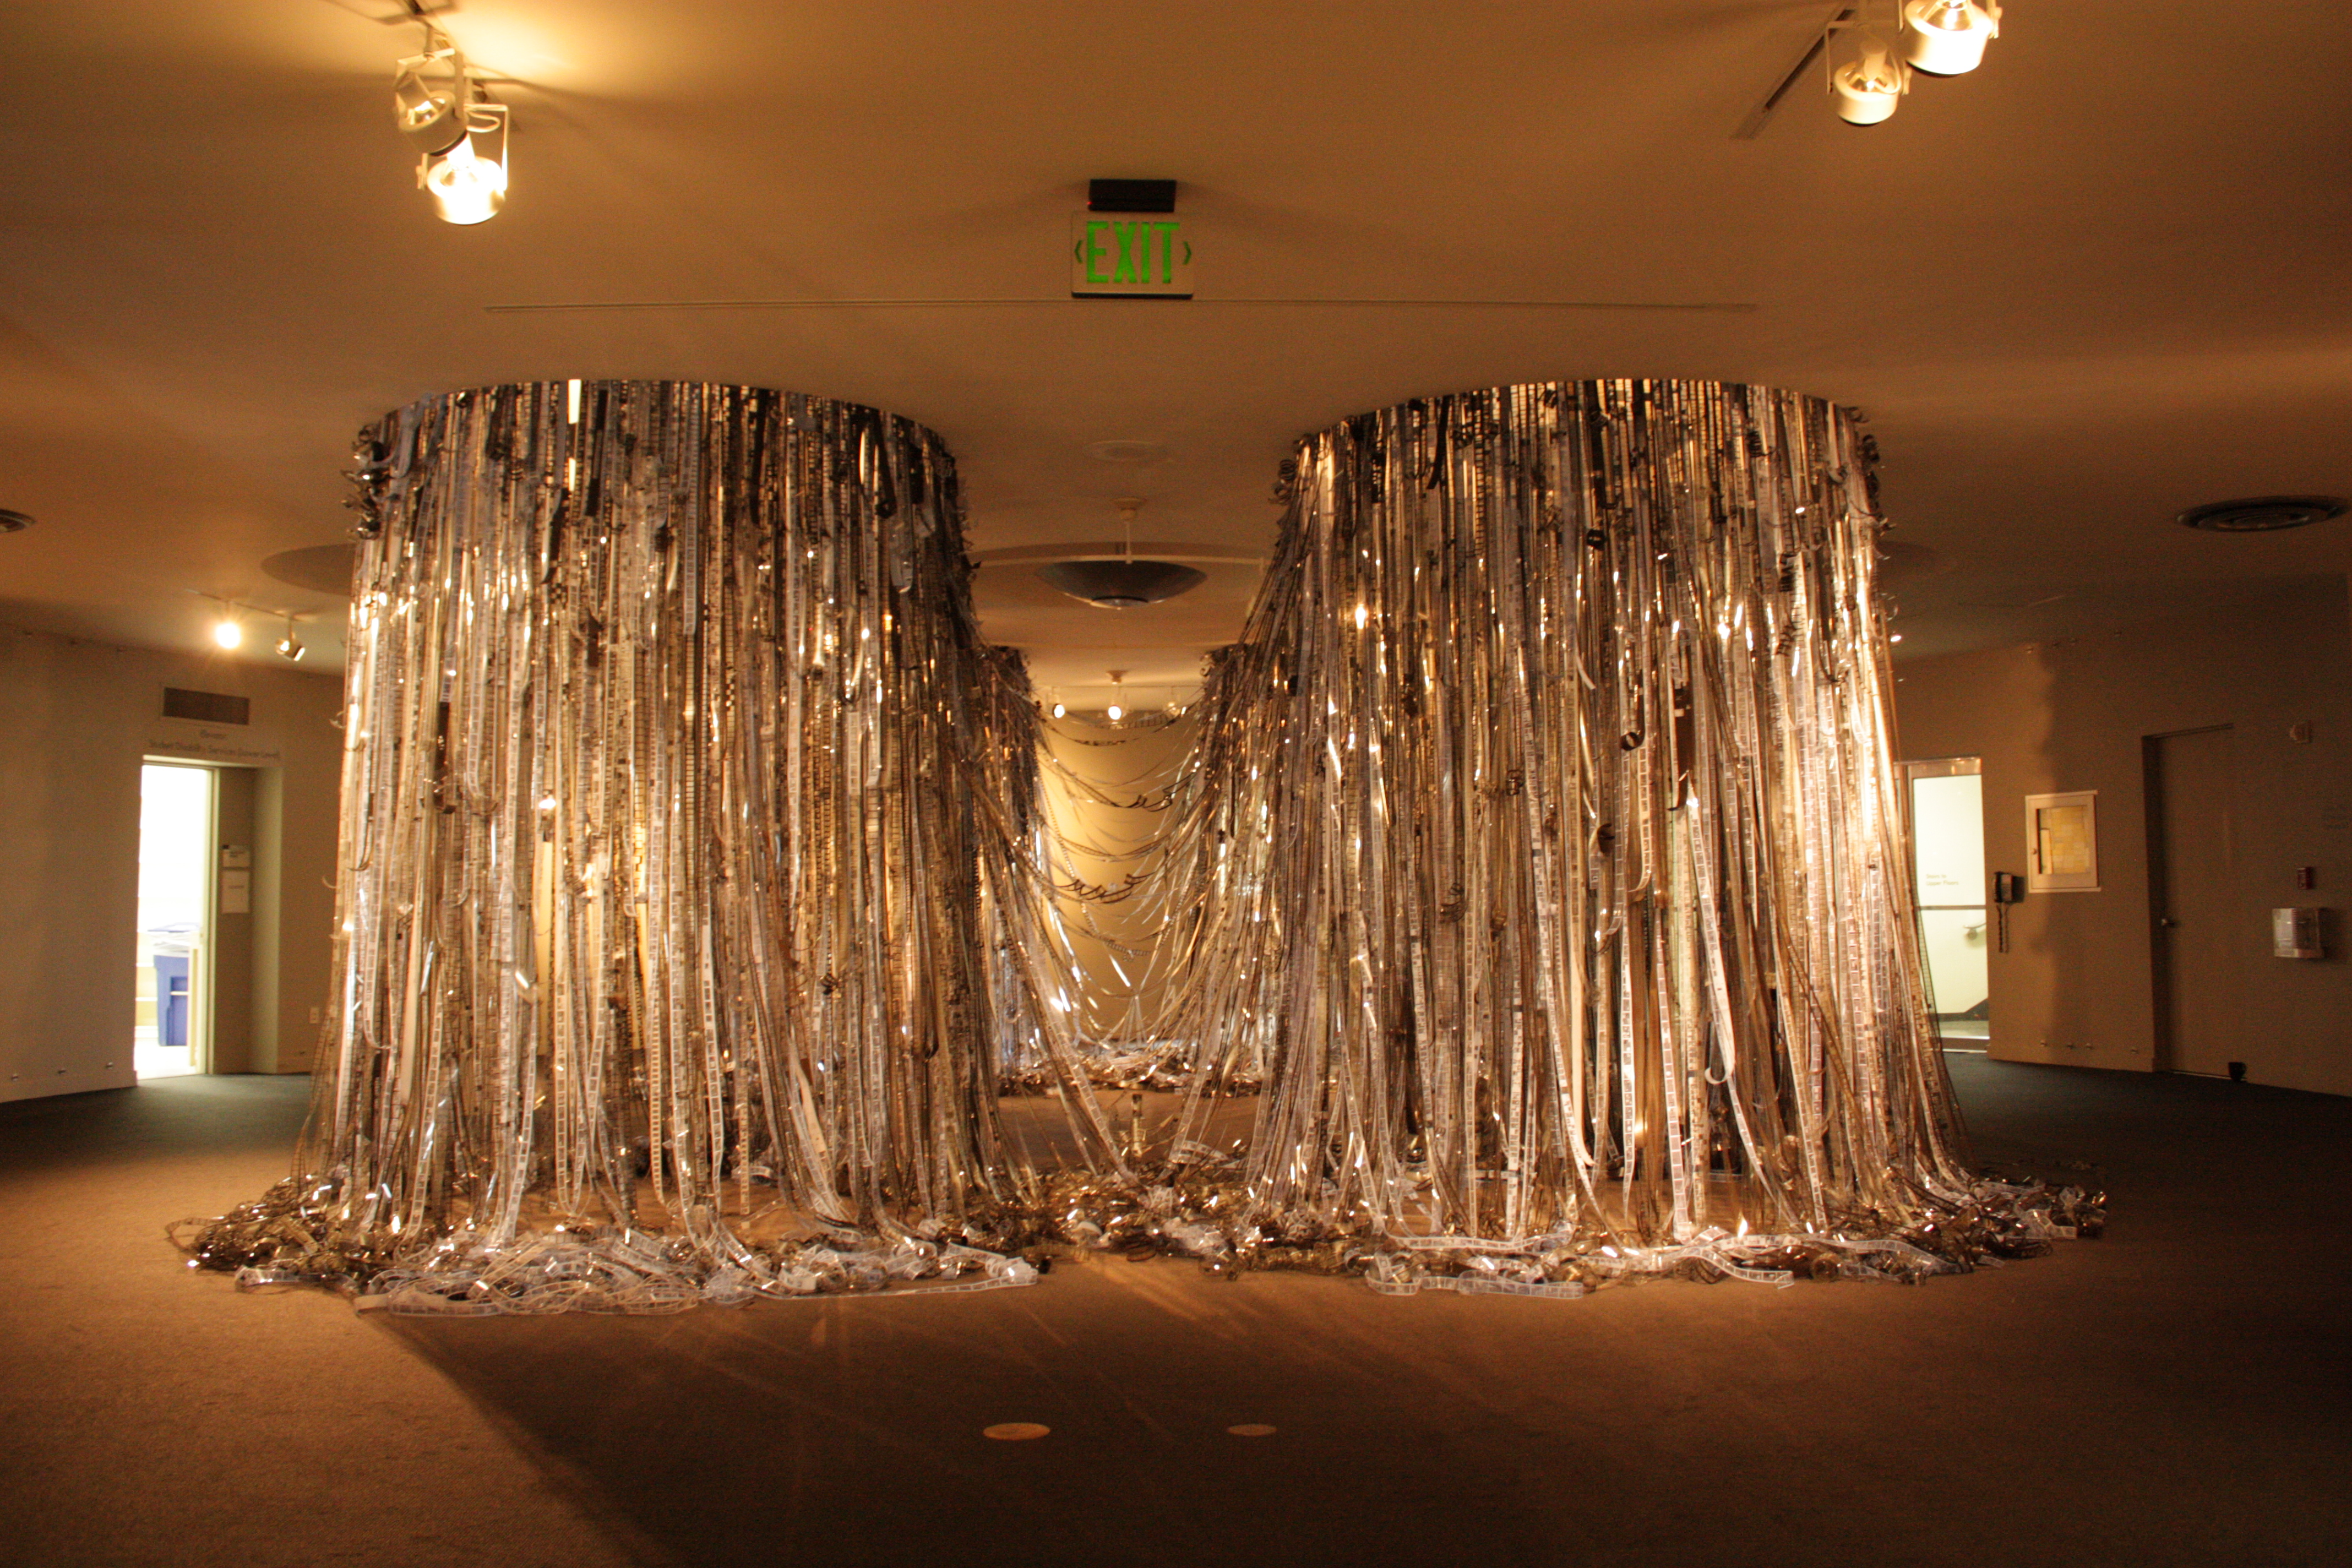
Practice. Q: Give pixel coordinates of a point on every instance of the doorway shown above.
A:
(2198, 952)
(172, 1016)
(1947, 861)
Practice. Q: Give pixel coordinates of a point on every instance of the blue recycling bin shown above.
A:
(171, 1000)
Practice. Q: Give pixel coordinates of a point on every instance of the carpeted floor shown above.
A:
(2176, 1394)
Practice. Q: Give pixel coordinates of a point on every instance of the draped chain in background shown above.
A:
(1533, 887)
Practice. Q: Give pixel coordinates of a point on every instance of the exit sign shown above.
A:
(1130, 256)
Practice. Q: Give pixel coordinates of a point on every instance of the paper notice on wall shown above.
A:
(2066, 840)
(213, 744)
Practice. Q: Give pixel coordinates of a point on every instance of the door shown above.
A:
(172, 1011)
(1948, 865)
(2200, 954)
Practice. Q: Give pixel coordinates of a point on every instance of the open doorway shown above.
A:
(1947, 801)
(172, 1015)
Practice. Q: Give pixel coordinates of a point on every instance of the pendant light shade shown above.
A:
(1122, 584)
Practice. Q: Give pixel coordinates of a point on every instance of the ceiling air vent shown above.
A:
(206, 707)
(2263, 514)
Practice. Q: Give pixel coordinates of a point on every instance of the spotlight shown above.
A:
(1869, 87)
(290, 647)
(468, 183)
(227, 632)
(429, 93)
(1115, 713)
(1948, 38)
(460, 133)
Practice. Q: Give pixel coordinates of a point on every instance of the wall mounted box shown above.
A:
(2062, 842)
(2299, 934)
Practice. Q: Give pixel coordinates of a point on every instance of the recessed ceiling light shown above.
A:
(2263, 514)
(14, 521)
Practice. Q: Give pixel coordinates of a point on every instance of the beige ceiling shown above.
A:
(2102, 279)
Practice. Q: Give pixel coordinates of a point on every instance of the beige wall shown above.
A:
(2075, 985)
(1123, 764)
(78, 719)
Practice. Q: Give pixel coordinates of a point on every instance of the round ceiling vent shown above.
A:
(2263, 514)
(1121, 584)
(14, 521)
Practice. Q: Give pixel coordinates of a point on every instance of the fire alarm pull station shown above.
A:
(2296, 933)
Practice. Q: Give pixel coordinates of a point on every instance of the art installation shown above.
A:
(1525, 908)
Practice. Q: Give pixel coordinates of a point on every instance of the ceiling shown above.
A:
(2099, 281)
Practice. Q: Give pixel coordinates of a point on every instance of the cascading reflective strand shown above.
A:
(663, 963)
(1527, 884)
(1555, 868)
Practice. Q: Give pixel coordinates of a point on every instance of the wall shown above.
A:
(1125, 766)
(76, 720)
(2076, 984)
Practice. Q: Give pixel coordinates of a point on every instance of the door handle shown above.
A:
(2166, 922)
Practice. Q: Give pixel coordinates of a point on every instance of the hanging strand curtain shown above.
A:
(1556, 876)
(1532, 880)
(669, 762)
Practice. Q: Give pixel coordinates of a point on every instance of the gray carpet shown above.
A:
(2174, 1394)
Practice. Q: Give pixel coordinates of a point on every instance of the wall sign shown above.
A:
(1130, 256)
(213, 744)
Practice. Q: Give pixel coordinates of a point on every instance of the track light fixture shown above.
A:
(1948, 38)
(459, 132)
(229, 626)
(1869, 87)
(1116, 712)
(1939, 37)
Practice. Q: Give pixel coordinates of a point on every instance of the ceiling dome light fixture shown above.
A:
(1124, 582)
(459, 131)
(1948, 38)
(2264, 515)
